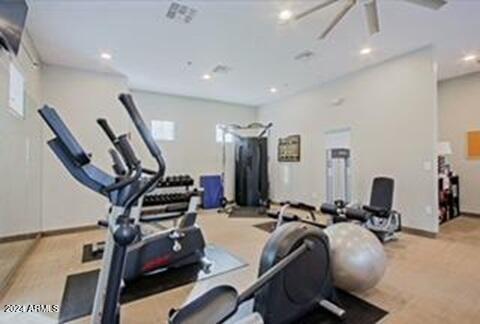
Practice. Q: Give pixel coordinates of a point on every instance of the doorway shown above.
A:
(338, 165)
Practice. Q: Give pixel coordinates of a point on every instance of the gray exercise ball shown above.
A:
(357, 256)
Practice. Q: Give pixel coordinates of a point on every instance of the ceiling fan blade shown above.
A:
(315, 8)
(431, 4)
(371, 12)
(337, 19)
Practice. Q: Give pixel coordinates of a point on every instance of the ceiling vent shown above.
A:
(181, 12)
(304, 56)
(221, 69)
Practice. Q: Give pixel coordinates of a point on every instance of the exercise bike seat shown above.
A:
(212, 307)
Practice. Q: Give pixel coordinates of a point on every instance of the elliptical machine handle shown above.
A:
(127, 101)
(121, 143)
(118, 166)
(126, 150)
(106, 128)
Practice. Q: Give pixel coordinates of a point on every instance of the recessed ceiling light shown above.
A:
(285, 15)
(273, 90)
(106, 56)
(206, 77)
(470, 57)
(365, 51)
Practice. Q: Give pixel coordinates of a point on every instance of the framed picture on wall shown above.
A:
(289, 149)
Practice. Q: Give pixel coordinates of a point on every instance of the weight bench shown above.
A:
(378, 216)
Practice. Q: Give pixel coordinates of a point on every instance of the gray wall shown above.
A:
(391, 111)
(80, 98)
(20, 148)
(459, 112)
(390, 108)
(195, 150)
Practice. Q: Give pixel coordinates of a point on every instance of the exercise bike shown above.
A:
(294, 279)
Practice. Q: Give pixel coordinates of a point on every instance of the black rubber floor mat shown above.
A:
(358, 311)
(248, 212)
(78, 295)
(89, 255)
(267, 226)
(79, 289)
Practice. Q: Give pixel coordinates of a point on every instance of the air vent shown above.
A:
(221, 69)
(181, 12)
(304, 56)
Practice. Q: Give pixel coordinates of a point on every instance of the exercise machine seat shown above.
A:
(377, 211)
(382, 193)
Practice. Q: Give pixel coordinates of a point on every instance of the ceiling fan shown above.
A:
(371, 11)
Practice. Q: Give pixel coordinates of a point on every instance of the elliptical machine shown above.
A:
(181, 245)
(294, 279)
(124, 193)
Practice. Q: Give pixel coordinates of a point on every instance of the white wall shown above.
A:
(195, 150)
(391, 111)
(80, 98)
(459, 112)
(393, 133)
(20, 147)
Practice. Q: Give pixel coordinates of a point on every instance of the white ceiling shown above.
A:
(153, 51)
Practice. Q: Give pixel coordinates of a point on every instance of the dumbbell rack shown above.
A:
(159, 206)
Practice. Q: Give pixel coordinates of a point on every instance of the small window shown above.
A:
(16, 90)
(163, 130)
(219, 135)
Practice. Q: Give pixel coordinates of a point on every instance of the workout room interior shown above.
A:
(177, 161)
